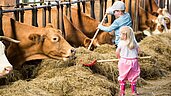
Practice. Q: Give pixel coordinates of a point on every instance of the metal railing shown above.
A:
(20, 8)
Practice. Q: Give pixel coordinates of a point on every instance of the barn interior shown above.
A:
(52, 77)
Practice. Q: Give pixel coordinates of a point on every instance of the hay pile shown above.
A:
(59, 78)
(104, 52)
(159, 47)
(73, 81)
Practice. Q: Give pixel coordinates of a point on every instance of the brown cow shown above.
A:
(88, 26)
(35, 43)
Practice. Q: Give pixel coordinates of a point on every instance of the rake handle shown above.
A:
(96, 32)
(112, 60)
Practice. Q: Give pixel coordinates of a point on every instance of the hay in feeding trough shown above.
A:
(75, 80)
(105, 48)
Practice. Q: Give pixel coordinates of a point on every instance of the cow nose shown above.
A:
(93, 47)
(8, 69)
(73, 51)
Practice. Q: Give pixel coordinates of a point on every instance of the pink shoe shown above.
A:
(134, 90)
(122, 88)
(135, 94)
(121, 94)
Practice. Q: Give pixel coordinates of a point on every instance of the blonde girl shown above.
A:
(127, 52)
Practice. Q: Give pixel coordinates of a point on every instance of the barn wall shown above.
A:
(10, 2)
(7, 2)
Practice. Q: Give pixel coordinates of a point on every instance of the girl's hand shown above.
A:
(117, 55)
(139, 50)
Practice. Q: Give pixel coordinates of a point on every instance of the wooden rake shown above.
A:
(110, 60)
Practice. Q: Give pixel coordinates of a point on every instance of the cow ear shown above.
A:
(49, 25)
(36, 38)
(60, 32)
(87, 42)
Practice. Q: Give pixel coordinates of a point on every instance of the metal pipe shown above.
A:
(57, 18)
(1, 31)
(49, 10)
(22, 14)
(101, 10)
(34, 16)
(92, 9)
(44, 17)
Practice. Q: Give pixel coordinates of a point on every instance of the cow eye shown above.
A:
(55, 39)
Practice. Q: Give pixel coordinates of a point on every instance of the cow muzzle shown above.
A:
(73, 52)
(71, 56)
(8, 69)
(5, 70)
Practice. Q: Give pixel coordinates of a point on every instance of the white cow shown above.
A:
(5, 66)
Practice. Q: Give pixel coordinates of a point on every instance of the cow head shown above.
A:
(5, 66)
(160, 25)
(163, 12)
(74, 35)
(168, 19)
(53, 45)
(153, 28)
(35, 43)
(103, 38)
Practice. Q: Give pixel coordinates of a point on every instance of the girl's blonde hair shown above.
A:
(130, 37)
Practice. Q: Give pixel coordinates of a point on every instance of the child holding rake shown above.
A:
(128, 66)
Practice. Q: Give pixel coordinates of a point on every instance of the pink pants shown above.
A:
(129, 69)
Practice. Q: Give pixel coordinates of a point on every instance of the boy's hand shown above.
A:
(99, 26)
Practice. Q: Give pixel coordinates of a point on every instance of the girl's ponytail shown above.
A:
(132, 42)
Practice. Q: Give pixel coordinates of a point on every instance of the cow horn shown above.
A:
(8, 39)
